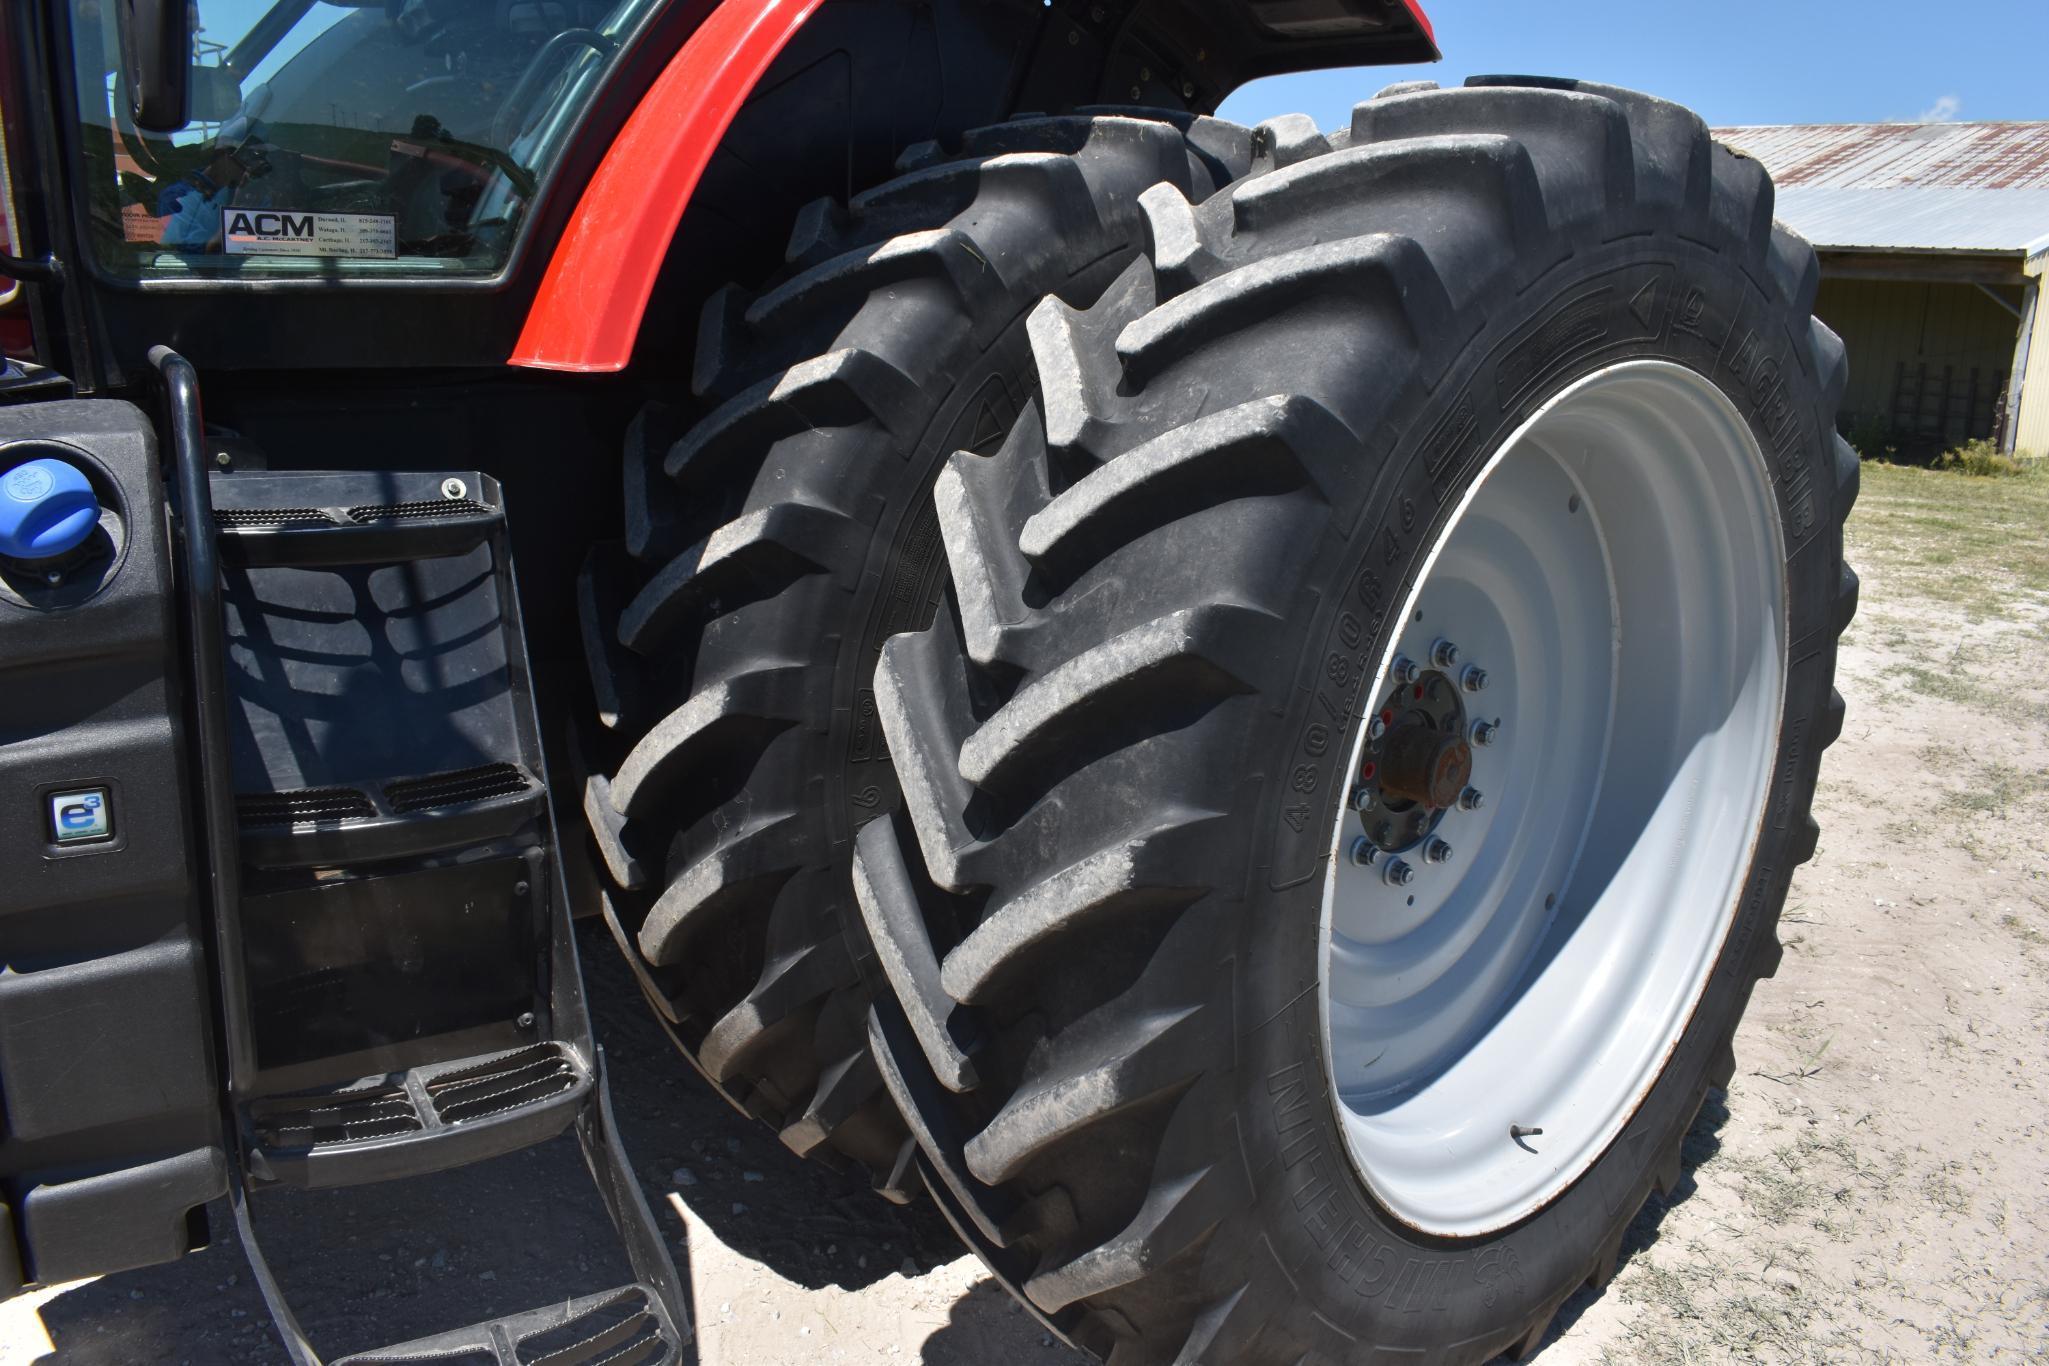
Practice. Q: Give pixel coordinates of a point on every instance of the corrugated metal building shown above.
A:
(1934, 238)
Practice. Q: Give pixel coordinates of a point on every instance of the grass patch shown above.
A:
(1994, 790)
(2021, 930)
(1945, 1192)
(1710, 1312)
(1974, 543)
(1959, 686)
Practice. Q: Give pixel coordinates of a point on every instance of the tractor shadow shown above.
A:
(986, 1326)
(396, 1261)
(806, 1222)
(388, 1263)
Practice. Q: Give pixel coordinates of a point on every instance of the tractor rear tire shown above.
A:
(1194, 1063)
(772, 544)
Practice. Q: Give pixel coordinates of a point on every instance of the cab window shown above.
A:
(341, 137)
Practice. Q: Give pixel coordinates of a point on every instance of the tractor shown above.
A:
(1233, 706)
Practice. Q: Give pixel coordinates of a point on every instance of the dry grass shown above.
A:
(1984, 460)
(1973, 543)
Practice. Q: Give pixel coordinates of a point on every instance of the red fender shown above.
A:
(590, 303)
(591, 300)
(1415, 9)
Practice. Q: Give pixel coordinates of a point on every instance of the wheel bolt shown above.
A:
(1474, 678)
(1362, 798)
(1399, 874)
(1484, 732)
(1437, 852)
(1444, 653)
(1406, 670)
(1363, 852)
(1471, 799)
(1375, 729)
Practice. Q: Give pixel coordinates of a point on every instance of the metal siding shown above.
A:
(2003, 221)
(2032, 432)
(1976, 187)
(1878, 156)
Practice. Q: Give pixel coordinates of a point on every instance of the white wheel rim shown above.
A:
(1618, 572)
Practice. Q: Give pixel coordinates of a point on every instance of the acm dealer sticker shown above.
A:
(283, 232)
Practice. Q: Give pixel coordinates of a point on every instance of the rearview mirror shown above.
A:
(156, 62)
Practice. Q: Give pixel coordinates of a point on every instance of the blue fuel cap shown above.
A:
(47, 509)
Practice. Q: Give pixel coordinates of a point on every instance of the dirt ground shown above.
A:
(1873, 1187)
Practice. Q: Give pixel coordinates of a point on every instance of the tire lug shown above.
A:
(1473, 679)
(1472, 799)
(1362, 798)
(1486, 732)
(1437, 852)
(1406, 670)
(1444, 654)
(1375, 729)
(1364, 852)
(1399, 873)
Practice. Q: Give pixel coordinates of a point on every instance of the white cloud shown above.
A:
(1943, 110)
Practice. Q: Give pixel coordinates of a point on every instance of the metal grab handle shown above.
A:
(204, 641)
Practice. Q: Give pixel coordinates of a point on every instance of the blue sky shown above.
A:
(1734, 61)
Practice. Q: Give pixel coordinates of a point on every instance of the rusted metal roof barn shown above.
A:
(1933, 240)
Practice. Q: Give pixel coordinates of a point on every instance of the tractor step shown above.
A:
(426, 1119)
(622, 1327)
(321, 827)
(399, 981)
(317, 519)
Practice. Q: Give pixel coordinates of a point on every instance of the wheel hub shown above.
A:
(1419, 766)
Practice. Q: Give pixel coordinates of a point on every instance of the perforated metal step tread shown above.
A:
(623, 1327)
(399, 817)
(424, 1120)
(314, 519)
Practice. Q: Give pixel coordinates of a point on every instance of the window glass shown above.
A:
(341, 137)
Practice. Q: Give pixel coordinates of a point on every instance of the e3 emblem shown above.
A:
(78, 817)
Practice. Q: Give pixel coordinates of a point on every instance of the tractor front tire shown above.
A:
(1353, 782)
(775, 540)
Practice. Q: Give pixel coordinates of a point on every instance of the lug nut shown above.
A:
(1484, 732)
(1406, 670)
(1399, 874)
(1444, 653)
(1375, 729)
(1362, 798)
(1437, 852)
(1363, 852)
(1474, 678)
(1471, 799)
